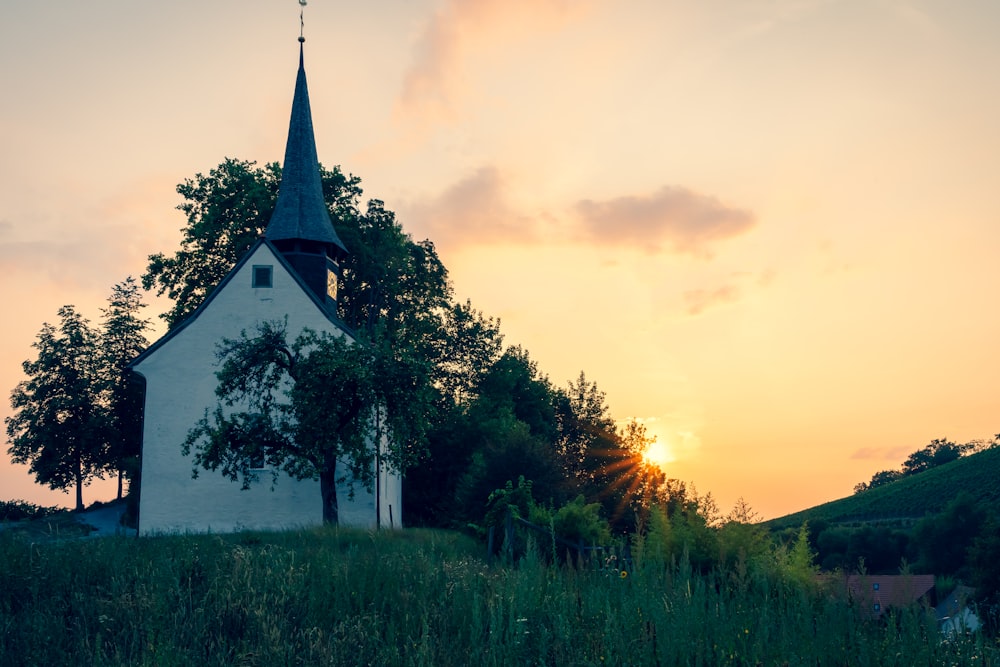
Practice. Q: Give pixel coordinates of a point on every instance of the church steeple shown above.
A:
(300, 226)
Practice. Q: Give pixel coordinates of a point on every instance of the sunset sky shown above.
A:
(769, 229)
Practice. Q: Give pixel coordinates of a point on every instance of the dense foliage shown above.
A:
(491, 415)
(426, 598)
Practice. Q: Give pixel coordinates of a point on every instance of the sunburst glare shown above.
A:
(658, 453)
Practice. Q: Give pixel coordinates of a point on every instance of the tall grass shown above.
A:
(417, 598)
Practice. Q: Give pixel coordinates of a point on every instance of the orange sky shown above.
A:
(765, 228)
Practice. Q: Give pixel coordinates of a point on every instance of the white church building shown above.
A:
(289, 274)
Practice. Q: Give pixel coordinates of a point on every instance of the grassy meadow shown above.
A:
(419, 597)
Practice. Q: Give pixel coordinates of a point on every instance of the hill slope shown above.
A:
(913, 497)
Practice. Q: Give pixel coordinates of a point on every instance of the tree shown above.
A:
(304, 405)
(605, 464)
(741, 535)
(227, 211)
(469, 345)
(984, 561)
(122, 339)
(941, 540)
(514, 385)
(507, 431)
(799, 560)
(880, 478)
(389, 281)
(506, 449)
(60, 422)
(585, 428)
(938, 452)
(618, 476)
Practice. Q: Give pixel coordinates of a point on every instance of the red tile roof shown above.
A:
(877, 592)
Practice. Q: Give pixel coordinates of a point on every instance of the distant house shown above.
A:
(290, 274)
(954, 614)
(875, 594)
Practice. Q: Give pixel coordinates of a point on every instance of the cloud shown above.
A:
(433, 82)
(474, 210)
(683, 220)
(699, 300)
(477, 209)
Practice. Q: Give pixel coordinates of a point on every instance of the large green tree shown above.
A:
(60, 424)
(389, 282)
(304, 405)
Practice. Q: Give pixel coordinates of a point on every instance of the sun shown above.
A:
(658, 453)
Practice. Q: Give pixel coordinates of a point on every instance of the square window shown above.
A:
(877, 607)
(874, 587)
(262, 275)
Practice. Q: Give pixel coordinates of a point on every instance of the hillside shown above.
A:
(912, 497)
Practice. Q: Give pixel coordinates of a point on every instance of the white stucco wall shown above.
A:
(180, 385)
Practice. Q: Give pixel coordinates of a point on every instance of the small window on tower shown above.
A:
(332, 273)
(262, 276)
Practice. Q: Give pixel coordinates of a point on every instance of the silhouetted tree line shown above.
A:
(939, 452)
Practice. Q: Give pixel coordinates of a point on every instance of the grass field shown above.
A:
(415, 597)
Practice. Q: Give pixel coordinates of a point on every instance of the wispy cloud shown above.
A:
(673, 218)
(699, 300)
(432, 84)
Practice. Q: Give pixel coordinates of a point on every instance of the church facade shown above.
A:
(289, 275)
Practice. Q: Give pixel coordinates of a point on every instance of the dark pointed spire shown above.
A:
(301, 213)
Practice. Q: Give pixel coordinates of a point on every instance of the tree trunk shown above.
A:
(328, 489)
(121, 473)
(78, 473)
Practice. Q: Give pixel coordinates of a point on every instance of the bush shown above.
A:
(577, 521)
(19, 510)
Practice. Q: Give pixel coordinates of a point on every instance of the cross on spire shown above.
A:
(302, 20)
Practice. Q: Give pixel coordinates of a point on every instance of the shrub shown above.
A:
(577, 521)
(18, 510)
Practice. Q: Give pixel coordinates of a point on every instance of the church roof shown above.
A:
(301, 212)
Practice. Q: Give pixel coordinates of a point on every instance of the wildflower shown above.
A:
(624, 574)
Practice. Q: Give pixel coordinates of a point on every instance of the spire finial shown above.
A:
(302, 20)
